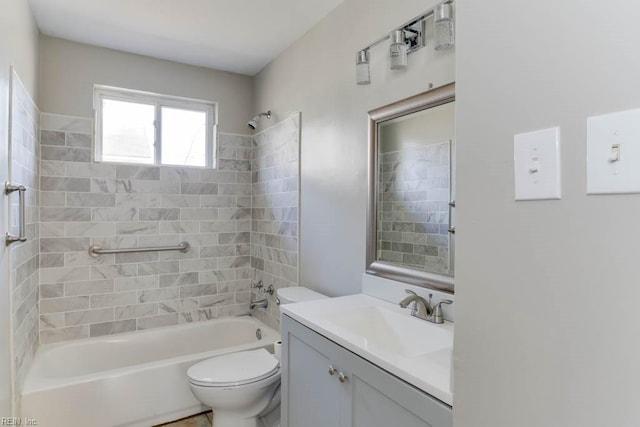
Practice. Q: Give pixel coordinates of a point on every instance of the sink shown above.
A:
(394, 332)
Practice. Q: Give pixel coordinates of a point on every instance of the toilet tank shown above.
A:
(297, 294)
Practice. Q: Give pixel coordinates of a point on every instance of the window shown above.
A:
(147, 128)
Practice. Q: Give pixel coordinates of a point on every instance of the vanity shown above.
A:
(361, 361)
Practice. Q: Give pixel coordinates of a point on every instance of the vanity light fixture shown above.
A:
(408, 38)
(363, 77)
(398, 51)
(444, 26)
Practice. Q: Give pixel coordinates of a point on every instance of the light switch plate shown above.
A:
(537, 164)
(613, 153)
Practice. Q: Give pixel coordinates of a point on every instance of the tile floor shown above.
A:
(200, 420)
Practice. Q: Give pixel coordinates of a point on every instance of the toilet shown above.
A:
(242, 387)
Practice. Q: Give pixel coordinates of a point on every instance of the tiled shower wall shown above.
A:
(117, 206)
(24, 256)
(274, 237)
(414, 217)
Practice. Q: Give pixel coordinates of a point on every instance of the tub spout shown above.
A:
(263, 303)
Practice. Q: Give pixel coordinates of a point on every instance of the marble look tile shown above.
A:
(66, 123)
(114, 214)
(85, 317)
(152, 268)
(174, 227)
(218, 176)
(101, 185)
(78, 140)
(111, 328)
(134, 283)
(215, 300)
(198, 265)
(82, 258)
(63, 274)
(114, 271)
(65, 154)
(198, 315)
(51, 260)
(198, 290)
(136, 311)
(137, 227)
(52, 168)
(48, 214)
(64, 244)
(52, 198)
(88, 287)
(51, 321)
(49, 137)
(159, 214)
(64, 334)
(199, 188)
(113, 299)
(91, 170)
(179, 201)
(155, 295)
(216, 275)
(53, 290)
(178, 306)
(91, 199)
(57, 305)
(182, 279)
(157, 321)
(138, 172)
(217, 226)
(86, 229)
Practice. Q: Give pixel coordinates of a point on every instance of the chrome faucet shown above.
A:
(422, 308)
(263, 303)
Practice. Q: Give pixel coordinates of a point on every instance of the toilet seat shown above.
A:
(234, 369)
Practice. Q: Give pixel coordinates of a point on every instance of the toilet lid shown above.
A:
(234, 369)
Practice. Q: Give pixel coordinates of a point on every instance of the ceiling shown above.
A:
(241, 36)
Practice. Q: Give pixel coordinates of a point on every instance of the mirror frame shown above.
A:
(422, 101)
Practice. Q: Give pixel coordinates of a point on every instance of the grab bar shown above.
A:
(21, 189)
(96, 250)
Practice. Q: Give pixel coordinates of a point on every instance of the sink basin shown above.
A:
(401, 334)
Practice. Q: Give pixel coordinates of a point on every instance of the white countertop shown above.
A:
(430, 371)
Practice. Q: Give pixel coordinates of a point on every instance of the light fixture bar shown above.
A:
(410, 26)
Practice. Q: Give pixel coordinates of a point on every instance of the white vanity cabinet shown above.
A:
(325, 385)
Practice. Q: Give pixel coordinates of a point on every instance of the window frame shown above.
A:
(210, 108)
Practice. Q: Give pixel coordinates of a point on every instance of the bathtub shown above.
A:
(134, 379)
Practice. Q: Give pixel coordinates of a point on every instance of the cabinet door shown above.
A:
(311, 396)
(369, 396)
(380, 399)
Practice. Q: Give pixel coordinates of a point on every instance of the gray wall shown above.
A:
(68, 71)
(547, 319)
(317, 76)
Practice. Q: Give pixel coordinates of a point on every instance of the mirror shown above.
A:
(411, 212)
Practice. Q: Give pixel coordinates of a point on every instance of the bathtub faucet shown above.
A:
(263, 303)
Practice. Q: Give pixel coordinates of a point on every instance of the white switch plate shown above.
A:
(605, 175)
(537, 164)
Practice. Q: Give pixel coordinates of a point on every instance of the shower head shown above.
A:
(253, 123)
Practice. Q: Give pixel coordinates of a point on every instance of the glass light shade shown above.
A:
(398, 51)
(363, 76)
(444, 27)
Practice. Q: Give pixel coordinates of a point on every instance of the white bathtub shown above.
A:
(133, 379)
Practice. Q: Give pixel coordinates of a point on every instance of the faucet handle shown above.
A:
(409, 291)
(437, 311)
